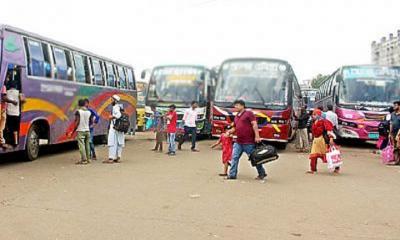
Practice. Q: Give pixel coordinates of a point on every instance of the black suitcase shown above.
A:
(263, 154)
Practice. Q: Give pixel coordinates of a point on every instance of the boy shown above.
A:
(172, 118)
(82, 119)
(94, 119)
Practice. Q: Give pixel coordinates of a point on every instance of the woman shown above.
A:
(319, 147)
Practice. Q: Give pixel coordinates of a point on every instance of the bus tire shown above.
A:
(32, 143)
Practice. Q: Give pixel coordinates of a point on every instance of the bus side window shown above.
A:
(35, 58)
(96, 71)
(111, 81)
(131, 79)
(122, 77)
(80, 74)
(63, 71)
(47, 64)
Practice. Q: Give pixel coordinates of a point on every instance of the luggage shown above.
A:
(263, 154)
(334, 158)
(388, 154)
(122, 124)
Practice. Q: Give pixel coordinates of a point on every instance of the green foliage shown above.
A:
(318, 80)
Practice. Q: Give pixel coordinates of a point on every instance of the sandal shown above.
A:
(109, 161)
(222, 174)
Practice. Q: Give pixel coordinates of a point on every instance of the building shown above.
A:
(387, 51)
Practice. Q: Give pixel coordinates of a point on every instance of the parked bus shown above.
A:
(141, 105)
(180, 85)
(53, 77)
(361, 96)
(309, 95)
(270, 89)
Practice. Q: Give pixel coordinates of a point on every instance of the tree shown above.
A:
(318, 80)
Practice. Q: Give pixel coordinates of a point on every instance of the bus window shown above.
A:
(60, 59)
(131, 79)
(80, 72)
(97, 75)
(35, 58)
(46, 54)
(122, 77)
(110, 75)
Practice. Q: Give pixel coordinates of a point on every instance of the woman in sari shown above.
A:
(319, 147)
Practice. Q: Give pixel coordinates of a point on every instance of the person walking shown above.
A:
(94, 120)
(82, 127)
(395, 132)
(332, 116)
(226, 141)
(190, 127)
(172, 118)
(246, 129)
(302, 142)
(322, 131)
(160, 136)
(116, 139)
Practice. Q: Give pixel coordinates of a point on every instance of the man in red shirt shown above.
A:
(246, 129)
(172, 118)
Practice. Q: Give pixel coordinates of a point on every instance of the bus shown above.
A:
(269, 88)
(180, 85)
(53, 76)
(141, 105)
(309, 95)
(361, 96)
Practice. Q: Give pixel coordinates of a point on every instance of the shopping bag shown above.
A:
(333, 158)
(388, 154)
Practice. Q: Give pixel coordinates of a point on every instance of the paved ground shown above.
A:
(152, 196)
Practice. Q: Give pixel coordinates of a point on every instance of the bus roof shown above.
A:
(4, 27)
(179, 65)
(255, 59)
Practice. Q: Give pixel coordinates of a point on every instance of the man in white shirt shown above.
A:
(331, 116)
(189, 121)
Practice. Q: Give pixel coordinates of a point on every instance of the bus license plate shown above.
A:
(373, 135)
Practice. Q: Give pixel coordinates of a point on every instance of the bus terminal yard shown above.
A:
(151, 196)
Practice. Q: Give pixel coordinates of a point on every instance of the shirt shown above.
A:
(303, 120)
(395, 122)
(190, 117)
(116, 113)
(84, 119)
(13, 110)
(244, 129)
(332, 117)
(320, 126)
(3, 93)
(94, 118)
(171, 121)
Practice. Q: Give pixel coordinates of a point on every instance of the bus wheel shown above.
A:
(32, 144)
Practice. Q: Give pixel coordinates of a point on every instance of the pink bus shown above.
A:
(361, 97)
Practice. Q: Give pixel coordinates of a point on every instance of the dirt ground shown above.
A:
(153, 196)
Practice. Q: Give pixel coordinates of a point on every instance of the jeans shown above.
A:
(193, 132)
(238, 150)
(92, 151)
(84, 145)
(171, 142)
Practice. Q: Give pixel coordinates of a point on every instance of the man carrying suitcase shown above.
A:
(246, 130)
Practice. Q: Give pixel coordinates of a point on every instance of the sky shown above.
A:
(314, 36)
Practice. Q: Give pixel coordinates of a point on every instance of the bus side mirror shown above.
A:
(143, 75)
(339, 78)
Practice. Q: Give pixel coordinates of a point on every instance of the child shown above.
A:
(159, 134)
(226, 140)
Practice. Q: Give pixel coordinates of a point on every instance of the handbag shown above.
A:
(334, 158)
(388, 154)
(263, 154)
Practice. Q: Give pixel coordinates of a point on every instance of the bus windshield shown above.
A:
(309, 97)
(370, 86)
(260, 83)
(177, 84)
(141, 93)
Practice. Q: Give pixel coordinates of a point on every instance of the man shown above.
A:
(116, 139)
(94, 120)
(82, 119)
(172, 118)
(332, 117)
(3, 111)
(302, 142)
(247, 134)
(394, 131)
(189, 121)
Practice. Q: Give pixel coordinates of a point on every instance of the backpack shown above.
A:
(263, 154)
(122, 124)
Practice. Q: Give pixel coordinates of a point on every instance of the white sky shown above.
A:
(315, 36)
